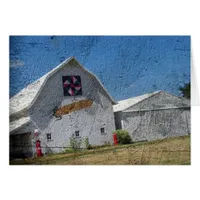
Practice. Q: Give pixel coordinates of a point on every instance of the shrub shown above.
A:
(75, 143)
(87, 143)
(69, 150)
(123, 136)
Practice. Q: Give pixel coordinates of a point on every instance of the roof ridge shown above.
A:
(151, 93)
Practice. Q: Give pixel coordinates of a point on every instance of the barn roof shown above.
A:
(177, 102)
(124, 104)
(20, 123)
(26, 97)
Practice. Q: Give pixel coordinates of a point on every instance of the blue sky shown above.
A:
(128, 66)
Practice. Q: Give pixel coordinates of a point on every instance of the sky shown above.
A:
(127, 66)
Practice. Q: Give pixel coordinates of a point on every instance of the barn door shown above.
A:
(20, 145)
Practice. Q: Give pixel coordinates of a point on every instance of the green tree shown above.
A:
(185, 90)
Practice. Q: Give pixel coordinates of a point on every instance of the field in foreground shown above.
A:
(171, 151)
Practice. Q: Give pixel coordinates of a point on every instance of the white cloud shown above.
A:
(16, 63)
(132, 85)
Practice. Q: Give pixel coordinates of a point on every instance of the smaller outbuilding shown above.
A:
(153, 116)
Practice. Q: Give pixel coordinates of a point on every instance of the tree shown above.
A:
(185, 90)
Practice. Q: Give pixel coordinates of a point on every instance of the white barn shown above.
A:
(69, 100)
(153, 116)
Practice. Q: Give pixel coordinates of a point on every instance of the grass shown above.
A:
(171, 151)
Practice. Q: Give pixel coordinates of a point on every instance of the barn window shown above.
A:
(72, 85)
(103, 132)
(48, 136)
(77, 133)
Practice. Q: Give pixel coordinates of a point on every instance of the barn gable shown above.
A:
(53, 93)
(26, 97)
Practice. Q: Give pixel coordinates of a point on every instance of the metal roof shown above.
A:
(124, 104)
(14, 125)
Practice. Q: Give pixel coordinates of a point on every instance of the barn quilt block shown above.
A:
(72, 85)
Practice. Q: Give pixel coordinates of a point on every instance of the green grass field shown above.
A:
(171, 151)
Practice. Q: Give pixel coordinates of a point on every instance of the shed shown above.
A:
(153, 116)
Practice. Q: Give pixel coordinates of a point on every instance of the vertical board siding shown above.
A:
(157, 124)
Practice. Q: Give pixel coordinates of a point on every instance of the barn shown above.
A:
(68, 102)
(153, 116)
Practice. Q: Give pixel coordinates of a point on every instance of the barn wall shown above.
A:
(157, 124)
(88, 121)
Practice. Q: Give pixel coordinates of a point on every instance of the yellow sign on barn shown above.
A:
(73, 107)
